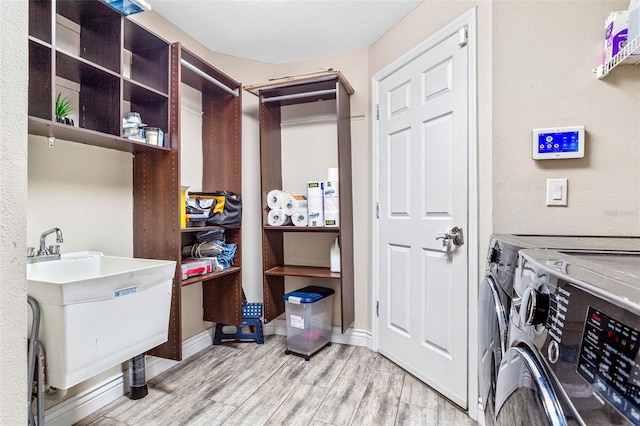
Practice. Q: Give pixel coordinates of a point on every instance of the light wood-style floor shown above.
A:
(251, 384)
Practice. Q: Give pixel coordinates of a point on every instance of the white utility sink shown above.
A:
(98, 311)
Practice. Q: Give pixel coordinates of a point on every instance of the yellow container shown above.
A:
(183, 206)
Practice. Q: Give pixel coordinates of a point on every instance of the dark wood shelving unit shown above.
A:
(157, 231)
(151, 87)
(327, 87)
(98, 70)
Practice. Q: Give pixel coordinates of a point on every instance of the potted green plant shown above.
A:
(63, 110)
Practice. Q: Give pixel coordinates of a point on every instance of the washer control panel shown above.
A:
(610, 361)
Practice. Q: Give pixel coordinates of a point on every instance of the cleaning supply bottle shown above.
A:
(335, 256)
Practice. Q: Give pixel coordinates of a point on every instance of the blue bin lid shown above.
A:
(309, 294)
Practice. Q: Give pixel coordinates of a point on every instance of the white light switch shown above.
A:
(556, 192)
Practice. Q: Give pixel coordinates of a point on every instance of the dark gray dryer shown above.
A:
(495, 296)
(574, 341)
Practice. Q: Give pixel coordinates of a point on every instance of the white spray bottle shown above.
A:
(335, 256)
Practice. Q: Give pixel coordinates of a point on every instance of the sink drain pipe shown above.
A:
(137, 380)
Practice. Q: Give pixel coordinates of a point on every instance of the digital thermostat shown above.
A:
(558, 143)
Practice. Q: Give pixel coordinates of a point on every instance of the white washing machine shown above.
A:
(495, 297)
(574, 341)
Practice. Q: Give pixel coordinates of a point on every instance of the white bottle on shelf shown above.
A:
(335, 256)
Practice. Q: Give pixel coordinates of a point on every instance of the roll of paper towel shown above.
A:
(293, 203)
(277, 217)
(332, 173)
(331, 204)
(276, 199)
(315, 188)
(331, 219)
(315, 212)
(315, 193)
(299, 217)
(332, 211)
(331, 188)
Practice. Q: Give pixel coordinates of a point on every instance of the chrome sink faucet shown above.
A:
(45, 253)
(43, 236)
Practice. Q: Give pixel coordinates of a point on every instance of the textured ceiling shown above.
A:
(281, 31)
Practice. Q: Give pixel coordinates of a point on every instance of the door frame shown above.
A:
(467, 20)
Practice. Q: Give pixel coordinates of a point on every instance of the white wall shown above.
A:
(13, 198)
(85, 191)
(542, 77)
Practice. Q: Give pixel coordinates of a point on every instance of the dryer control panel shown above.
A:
(610, 361)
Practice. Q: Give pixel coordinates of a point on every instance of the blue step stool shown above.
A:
(251, 317)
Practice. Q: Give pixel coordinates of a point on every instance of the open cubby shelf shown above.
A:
(97, 69)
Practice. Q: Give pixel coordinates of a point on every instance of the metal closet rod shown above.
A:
(206, 76)
(299, 95)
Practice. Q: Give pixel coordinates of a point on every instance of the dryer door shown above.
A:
(493, 340)
(524, 396)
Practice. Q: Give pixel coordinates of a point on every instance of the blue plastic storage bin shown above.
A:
(309, 314)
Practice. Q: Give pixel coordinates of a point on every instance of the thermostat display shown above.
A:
(558, 143)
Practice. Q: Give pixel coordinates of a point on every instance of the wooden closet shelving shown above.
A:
(328, 86)
(150, 85)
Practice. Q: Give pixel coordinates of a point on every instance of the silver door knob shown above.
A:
(454, 236)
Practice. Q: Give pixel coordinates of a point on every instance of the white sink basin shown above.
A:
(98, 311)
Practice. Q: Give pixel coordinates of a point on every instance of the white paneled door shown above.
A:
(423, 205)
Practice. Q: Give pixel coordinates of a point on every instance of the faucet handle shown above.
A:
(31, 251)
(53, 249)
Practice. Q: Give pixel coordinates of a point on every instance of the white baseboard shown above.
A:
(86, 403)
(190, 347)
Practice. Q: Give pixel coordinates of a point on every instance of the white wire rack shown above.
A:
(623, 57)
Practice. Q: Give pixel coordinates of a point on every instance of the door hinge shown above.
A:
(462, 37)
(377, 210)
(377, 112)
(378, 308)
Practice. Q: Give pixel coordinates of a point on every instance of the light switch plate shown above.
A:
(557, 192)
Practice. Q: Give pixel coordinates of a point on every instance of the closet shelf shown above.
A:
(69, 61)
(302, 271)
(199, 229)
(268, 228)
(52, 129)
(131, 85)
(211, 276)
(40, 42)
(299, 79)
(624, 57)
